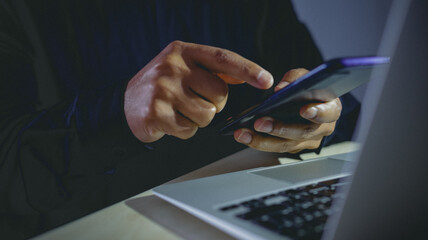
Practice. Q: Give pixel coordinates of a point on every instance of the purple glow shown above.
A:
(364, 61)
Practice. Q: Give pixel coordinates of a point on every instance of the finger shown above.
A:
(218, 60)
(290, 77)
(208, 86)
(181, 127)
(273, 144)
(293, 131)
(166, 120)
(194, 108)
(322, 112)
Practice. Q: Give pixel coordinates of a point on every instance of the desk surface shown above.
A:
(146, 216)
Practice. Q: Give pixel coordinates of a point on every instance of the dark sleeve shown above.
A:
(287, 44)
(47, 153)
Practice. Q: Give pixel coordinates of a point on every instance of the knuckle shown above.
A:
(222, 56)
(156, 110)
(281, 131)
(308, 131)
(285, 146)
(168, 67)
(162, 90)
(175, 46)
(164, 68)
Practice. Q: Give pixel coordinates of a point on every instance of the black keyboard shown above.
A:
(299, 213)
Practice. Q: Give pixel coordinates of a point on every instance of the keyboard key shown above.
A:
(299, 213)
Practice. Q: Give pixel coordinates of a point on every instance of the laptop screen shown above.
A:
(387, 198)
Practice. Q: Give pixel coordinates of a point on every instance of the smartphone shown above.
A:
(326, 82)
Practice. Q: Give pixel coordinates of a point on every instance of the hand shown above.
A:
(278, 136)
(182, 89)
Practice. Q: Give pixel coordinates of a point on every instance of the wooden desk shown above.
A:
(145, 216)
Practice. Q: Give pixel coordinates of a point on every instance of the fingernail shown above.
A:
(266, 126)
(310, 113)
(265, 79)
(245, 137)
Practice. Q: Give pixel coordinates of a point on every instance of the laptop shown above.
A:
(379, 192)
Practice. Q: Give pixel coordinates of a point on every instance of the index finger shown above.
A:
(220, 60)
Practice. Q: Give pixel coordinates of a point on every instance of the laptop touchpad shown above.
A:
(305, 171)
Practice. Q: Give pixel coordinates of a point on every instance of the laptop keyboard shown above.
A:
(299, 213)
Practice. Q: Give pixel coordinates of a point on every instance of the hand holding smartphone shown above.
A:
(326, 82)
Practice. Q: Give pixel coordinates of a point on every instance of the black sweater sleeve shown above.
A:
(46, 153)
